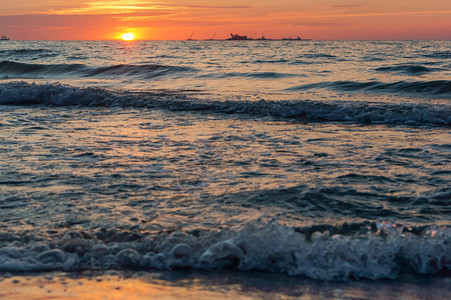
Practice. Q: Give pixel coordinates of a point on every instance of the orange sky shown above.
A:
(176, 19)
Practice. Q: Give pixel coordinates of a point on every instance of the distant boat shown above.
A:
(237, 37)
(291, 39)
(212, 37)
(4, 38)
(296, 39)
(190, 37)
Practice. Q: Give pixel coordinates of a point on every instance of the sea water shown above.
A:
(321, 159)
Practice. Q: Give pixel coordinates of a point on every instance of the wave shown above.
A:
(328, 252)
(32, 54)
(23, 70)
(281, 61)
(318, 55)
(22, 93)
(278, 61)
(24, 51)
(420, 88)
(408, 69)
(261, 75)
(439, 55)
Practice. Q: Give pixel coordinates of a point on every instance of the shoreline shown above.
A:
(207, 285)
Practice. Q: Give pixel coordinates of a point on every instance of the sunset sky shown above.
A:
(176, 19)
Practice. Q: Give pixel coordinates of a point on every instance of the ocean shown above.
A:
(315, 160)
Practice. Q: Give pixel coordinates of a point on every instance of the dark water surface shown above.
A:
(329, 160)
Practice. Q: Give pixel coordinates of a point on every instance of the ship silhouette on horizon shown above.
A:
(237, 37)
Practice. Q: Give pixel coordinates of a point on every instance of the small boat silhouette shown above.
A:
(237, 37)
(4, 38)
(191, 36)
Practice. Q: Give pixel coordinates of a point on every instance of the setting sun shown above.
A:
(128, 36)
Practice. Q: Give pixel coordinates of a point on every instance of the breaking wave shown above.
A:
(22, 93)
(23, 70)
(348, 251)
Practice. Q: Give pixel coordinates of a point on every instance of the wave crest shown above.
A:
(22, 93)
(413, 70)
(23, 70)
(420, 88)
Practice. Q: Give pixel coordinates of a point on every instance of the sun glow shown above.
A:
(128, 36)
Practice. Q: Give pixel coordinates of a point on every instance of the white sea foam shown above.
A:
(385, 253)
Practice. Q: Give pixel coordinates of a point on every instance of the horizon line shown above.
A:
(219, 40)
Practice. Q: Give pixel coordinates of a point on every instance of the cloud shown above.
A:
(112, 7)
(119, 7)
(314, 24)
(401, 13)
(213, 6)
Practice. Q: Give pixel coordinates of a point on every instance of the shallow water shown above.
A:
(218, 156)
(228, 285)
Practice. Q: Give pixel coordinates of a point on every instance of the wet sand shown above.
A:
(229, 285)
